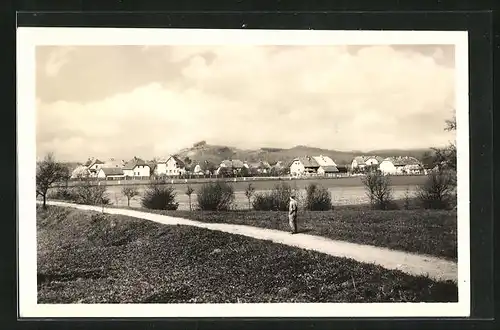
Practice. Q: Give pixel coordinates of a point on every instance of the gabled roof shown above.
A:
(324, 160)
(307, 161)
(260, 165)
(254, 165)
(130, 165)
(364, 158)
(112, 163)
(112, 171)
(201, 169)
(403, 161)
(175, 158)
(330, 169)
(178, 161)
(279, 164)
(235, 163)
(91, 162)
(265, 164)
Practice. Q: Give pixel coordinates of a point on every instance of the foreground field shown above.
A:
(419, 231)
(88, 257)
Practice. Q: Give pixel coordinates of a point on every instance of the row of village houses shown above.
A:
(301, 166)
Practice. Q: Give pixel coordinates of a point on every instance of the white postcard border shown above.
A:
(29, 38)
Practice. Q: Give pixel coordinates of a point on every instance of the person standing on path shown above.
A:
(292, 214)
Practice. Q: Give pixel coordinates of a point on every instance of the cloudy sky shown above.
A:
(121, 101)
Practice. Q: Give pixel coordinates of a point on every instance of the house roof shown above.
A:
(260, 165)
(364, 158)
(265, 164)
(324, 160)
(91, 162)
(130, 165)
(279, 163)
(177, 160)
(330, 169)
(112, 171)
(307, 161)
(201, 169)
(403, 161)
(235, 163)
(113, 163)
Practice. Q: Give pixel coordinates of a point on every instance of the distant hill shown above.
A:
(216, 153)
(417, 153)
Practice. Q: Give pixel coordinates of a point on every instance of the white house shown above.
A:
(400, 165)
(110, 173)
(93, 165)
(363, 161)
(261, 167)
(137, 168)
(234, 165)
(198, 170)
(304, 166)
(172, 166)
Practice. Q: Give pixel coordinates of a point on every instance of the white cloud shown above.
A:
(256, 96)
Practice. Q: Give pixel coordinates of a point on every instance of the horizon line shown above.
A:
(347, 151)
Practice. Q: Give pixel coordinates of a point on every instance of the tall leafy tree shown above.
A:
(48, 172)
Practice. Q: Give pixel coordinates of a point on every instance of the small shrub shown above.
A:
(277, 199)
(129, 192)
(378, 189)
(216, 196)
(65, 194)
(264, 202)
(189, 192)
(281, 194)
(159, 196)
(438, 191)
(406, 199)
(318, 198)
(91, 193)
(249, 192)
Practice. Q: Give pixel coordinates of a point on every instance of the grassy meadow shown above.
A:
(90, 257)
(344, 191)
(430, 232)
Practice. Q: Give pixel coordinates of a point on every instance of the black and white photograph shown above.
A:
(237, 173)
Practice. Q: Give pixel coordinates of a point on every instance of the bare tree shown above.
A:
(49, 172)
(249, 192)
(378, 189)
(189, 192)
(438, 190)
(130, 192)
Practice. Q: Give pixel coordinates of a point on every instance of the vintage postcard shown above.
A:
(242, 173)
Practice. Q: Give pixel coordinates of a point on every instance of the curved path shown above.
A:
(413, 264)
